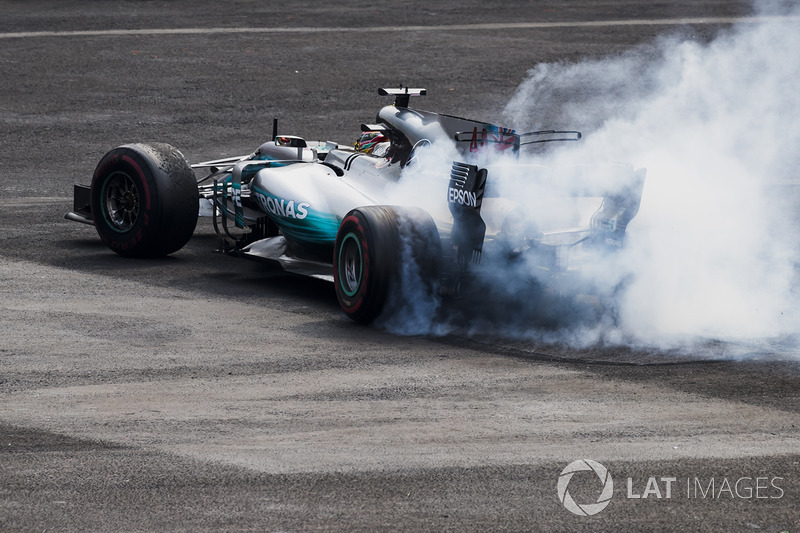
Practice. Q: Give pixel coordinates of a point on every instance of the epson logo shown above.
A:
(458, 196)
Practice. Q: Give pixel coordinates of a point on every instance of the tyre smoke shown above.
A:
(714, 250)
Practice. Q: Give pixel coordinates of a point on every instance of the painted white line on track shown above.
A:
(379, 29)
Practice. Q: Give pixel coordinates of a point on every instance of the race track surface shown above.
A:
(202, 393)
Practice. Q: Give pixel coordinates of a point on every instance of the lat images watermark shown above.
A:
(758, 487)
(586, 509)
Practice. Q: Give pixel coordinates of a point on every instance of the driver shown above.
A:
(373, 143)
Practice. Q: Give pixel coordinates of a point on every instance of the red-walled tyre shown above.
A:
(144, 200)
(372, 246)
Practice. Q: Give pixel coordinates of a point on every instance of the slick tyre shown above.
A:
(144, 200)
(372, 246)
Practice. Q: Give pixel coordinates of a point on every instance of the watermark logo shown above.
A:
(697, 488)
(585, 509)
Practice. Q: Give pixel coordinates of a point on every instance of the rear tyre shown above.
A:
(374, 247)
(144, 200)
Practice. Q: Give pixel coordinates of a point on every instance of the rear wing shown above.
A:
(505, 138)
(607, 227)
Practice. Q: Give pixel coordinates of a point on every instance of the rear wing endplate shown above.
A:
(465, 198)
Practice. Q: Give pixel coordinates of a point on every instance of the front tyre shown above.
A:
(144, 200)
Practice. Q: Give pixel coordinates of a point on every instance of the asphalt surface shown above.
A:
(200, 392)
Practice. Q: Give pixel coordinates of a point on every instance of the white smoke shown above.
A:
(713, 252)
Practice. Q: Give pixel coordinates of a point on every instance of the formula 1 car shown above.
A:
(327, 210)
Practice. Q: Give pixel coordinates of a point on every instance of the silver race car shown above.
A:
(330, 211)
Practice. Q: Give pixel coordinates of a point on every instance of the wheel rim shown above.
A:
(121, 201)
(350, 264)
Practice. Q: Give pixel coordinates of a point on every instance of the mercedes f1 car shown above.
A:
(322, 209)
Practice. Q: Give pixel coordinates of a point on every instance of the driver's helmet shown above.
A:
(372, 140)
